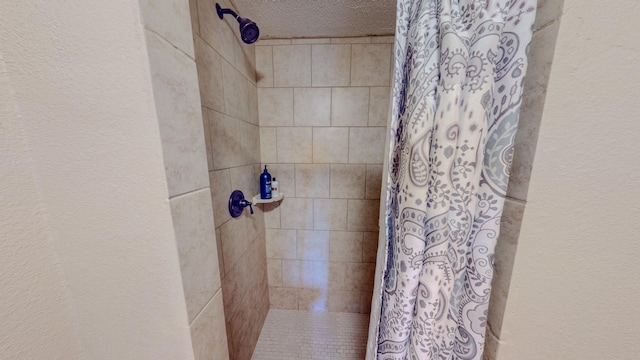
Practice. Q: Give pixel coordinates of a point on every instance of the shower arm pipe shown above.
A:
(221, 12)
(249, 32)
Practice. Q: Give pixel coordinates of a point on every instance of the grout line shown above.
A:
(350, 64)
(273, 67)
(311, 83)
(219, 290)
(515, 200)
(369, 107)
(544, 26)
(171, 44)
(190, 192)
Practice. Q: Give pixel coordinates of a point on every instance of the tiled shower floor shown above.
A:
(301, 335)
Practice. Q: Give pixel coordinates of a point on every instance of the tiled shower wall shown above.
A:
(176, 99)
(541, 53)
(226, 73)
(323, 108)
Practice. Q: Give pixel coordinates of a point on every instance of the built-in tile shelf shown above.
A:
(258, 200)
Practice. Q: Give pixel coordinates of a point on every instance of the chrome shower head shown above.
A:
(249, 31)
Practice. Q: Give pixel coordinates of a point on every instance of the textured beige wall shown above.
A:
(574, 287)
(82, 87)
(226, 73)
(36, 309)
(323, 106)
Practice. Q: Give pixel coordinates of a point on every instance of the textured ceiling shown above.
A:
(279, 19)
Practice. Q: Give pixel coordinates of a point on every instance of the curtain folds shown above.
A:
(459, 68)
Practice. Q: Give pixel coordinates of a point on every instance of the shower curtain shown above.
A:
(459, 68)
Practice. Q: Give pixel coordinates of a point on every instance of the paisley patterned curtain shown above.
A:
(459, 68)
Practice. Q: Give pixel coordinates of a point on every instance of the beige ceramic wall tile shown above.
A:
(370, 247)
(220, 192)
(343, 301)
(491, 346)
(295, 273)
(362, 215)
(546, 12)
(219, 247)
(285, 174)
(346, 246)
(268, 144)
(195, 23)
(209, 65)
(214, 31)
(351, 40)
(542, 48)
(292, 65)
(505, 253)
(236, 92)
(382, 39)
(331, 145)
(304, 41)
(255, 223)
(365, 302)
(330, 214)
(246, 300)
(246, 179)
(312, 106)
(245, 327)
(313, 245)
(275, 107)
(350, 106)
(250, 143)
(281, 244)
(271, 215)
(178, 30)
(370, 64)
(331, 65)
(296, 213)
(264, 66)
(312, 180)
(246, 283)
(274, 270)
(235, 241)
(208, 332)
(226, 140)
(295, 145)
(253, 104)
(359, 276)
(312, 300)
(245, 60)
(392, 67)
(379, 101)
(193, 224)
(374, 182)
(366, 145)
(305, 274)
(283, 298)
(337, 275)
(232, 285)
(207, 137)
(176, 95)
(347, 181)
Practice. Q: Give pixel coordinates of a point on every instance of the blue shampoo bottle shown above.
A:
(265, 184)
